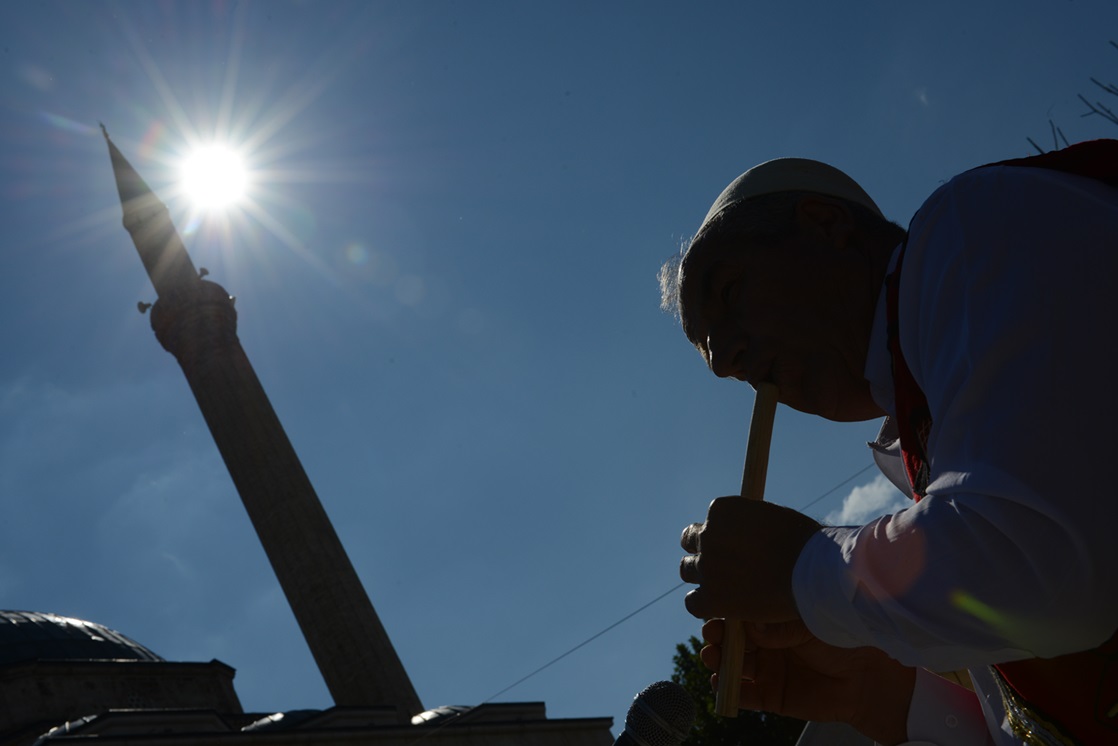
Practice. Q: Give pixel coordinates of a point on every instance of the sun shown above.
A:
(214, 177)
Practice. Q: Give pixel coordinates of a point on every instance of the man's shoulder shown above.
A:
(1094, 162)
(1009, 188)
(1093, 159)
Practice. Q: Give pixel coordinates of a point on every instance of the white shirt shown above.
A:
(1008, 319)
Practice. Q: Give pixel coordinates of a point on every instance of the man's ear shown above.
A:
(827, 217)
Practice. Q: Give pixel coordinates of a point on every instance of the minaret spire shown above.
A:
(146, 219)
(195, 321)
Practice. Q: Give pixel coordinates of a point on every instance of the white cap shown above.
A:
(790, 175)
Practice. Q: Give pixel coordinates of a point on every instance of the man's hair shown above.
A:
(765, 220)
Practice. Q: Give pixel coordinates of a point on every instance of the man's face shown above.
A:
(791, 314)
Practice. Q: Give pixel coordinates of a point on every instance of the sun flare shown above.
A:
(214, 177)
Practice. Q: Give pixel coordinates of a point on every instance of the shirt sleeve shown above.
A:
(1007, 322)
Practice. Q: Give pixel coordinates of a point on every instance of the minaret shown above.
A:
(195, 321)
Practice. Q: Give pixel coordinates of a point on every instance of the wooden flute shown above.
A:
(752, 488)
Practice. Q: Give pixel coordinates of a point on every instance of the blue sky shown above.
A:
(445, 272)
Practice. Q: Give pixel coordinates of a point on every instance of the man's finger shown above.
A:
(698, 604)
(711, 656)
(713, 631)
(689, 569)
(690, 538)
(728, 507)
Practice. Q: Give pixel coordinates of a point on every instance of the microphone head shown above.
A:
(661, 715)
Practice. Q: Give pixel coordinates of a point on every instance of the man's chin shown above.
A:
(836, 408)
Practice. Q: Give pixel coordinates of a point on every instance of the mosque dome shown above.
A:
(33, 635)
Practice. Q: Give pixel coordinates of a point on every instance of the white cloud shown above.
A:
(867, 502)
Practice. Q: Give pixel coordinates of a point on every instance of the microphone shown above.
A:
(661, 715)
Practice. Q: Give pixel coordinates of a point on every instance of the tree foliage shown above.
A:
(747, 729)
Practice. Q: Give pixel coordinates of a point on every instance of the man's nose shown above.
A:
(724, 353)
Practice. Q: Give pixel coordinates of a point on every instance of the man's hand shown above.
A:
(788, 671)
(742, 558)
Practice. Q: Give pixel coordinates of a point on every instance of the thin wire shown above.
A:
(552, 662)
(549, 664)
(853, 476)
(619, 622)
(632, 614)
